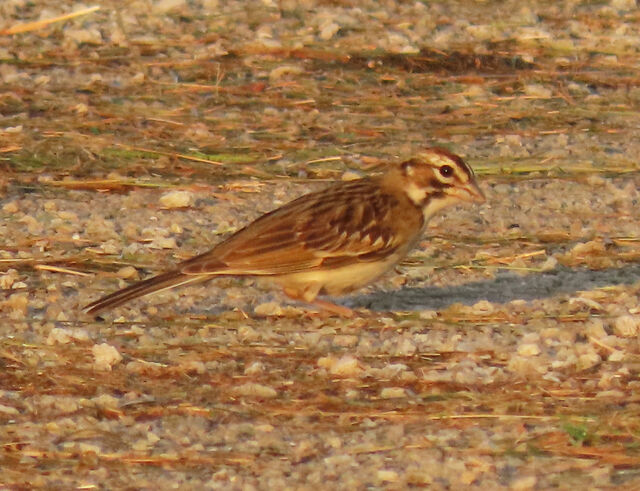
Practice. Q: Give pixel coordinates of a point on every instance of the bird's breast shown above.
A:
(340, 280)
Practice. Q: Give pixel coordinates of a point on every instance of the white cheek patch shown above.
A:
(416, 193)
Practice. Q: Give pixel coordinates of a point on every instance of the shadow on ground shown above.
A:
(504, 288)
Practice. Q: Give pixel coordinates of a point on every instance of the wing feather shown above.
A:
(346, 223)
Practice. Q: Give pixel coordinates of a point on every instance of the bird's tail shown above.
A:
(156, 284)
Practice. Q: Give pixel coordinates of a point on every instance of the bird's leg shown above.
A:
(309, 294)
(332, 308)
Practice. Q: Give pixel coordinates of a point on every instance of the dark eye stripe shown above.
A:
(436, 184)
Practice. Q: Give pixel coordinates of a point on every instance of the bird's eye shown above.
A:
(446, 171)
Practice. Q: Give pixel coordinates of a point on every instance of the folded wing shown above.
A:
(342, 225)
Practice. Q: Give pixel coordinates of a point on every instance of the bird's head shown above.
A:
(437, 178)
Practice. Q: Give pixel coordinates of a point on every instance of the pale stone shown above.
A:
(176, 199)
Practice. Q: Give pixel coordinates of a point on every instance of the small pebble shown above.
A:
(10, 207)
(344, 367)
(387, 475)
(537, 90)
(392, 393)
(627, 326)
(106, 356)
(127, 272)
(177, 199)
(268, 309)
(256, 390)
(528, 349)
(524, 483)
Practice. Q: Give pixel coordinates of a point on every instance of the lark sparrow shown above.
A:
(331, 241)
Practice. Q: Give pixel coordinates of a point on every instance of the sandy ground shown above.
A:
(502, 354)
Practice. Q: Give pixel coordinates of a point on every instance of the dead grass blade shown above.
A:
(41, 24)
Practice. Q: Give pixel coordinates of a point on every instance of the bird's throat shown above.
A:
(434, 202)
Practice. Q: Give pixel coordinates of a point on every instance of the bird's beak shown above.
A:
(477, 196)
(470, 193)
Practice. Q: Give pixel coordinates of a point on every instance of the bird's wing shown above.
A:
(343, 224)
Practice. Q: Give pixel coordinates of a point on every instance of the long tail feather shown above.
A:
(163, 281)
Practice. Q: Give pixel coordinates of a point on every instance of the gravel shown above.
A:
(503, 354)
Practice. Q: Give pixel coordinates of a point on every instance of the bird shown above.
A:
(331, 241)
